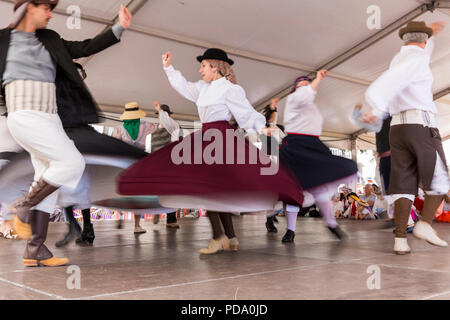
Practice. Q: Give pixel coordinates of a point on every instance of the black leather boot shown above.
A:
(87, 236)
(288, 236)
(338, 233)
(74, 229)
(73, 233)
(270, 226)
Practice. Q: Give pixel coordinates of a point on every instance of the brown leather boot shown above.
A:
(22, 208)
(36, 253)
(430, 206)
(402, 210)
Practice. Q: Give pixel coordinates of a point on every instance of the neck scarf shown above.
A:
(132, 127)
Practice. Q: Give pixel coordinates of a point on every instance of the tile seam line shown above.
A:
(216, 279)
(436, 295)
(32, 289)
(198, 282)
(402, 267)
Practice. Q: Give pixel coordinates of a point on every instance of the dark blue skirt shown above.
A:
(312, 162)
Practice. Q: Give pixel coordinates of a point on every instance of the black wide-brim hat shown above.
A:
(215, 54)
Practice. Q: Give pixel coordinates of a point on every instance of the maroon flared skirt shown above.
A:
(214, 160)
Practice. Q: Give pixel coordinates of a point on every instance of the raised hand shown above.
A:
(437, 27)
(274, 103)
(167, 59)
(321, 74)
(125, 17)
(367, 118)
(319, 77)
(157, 105)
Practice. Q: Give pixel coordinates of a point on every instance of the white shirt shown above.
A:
(407, 84)
(218, 100)
(339, 206)
(301, 115)
(170, 125)
(380, 205)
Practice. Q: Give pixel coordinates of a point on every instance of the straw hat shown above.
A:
(132, 112)
(357, 199)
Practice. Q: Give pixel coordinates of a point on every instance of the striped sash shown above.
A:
(31, 95)
(415, 116)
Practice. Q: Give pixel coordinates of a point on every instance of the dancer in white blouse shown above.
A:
(218, 175)
(318, 171)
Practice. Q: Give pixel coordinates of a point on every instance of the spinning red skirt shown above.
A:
(161, 173)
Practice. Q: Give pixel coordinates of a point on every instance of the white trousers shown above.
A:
(7, 142)
(78, 198)
(53, 155)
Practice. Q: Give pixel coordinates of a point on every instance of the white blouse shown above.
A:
(301, 115)
(407, 84)
(218, 100)
(170, 125)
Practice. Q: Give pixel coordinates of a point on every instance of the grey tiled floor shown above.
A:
(165, 264)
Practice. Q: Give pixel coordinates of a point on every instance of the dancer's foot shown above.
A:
(87, 236)
(73, 233)
(234, 244)
(172, 225)
(401, 246)
(424, 231)
(288, 236)
(139, 229)
(271, 227)
(216, 245)
(52, 262)
(337, 231)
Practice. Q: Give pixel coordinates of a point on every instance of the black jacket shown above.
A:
(76, 105)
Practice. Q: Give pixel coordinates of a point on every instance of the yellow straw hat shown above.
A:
(360, 201)
(132, 112)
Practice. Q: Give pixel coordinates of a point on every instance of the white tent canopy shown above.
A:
(272, 42)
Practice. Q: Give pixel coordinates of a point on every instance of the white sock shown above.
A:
(291, 218)
(327, 213)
